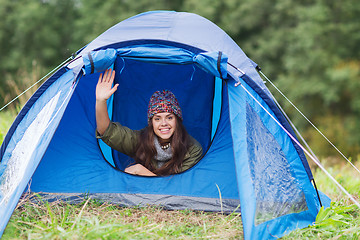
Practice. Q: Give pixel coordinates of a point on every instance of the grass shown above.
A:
(6, 119)
(94, 220)
(91, 219)
(340, 221)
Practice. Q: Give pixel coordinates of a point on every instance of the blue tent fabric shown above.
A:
(213, 62)
(99, 61)
(29, 141)
(248, 159)
(177, 27)
(261, 145)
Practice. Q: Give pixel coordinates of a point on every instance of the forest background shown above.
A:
(310, 50)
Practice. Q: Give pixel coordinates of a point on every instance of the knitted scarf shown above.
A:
(162, 156)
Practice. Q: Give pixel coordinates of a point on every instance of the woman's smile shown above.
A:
(164, 125)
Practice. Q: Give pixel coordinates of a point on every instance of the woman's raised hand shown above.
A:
(104, 88)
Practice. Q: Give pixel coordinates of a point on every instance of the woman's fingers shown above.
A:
(112, 75)
(114, 88)
(104, 87)
(100, 78)
(107, 77)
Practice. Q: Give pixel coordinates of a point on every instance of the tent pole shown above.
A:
(317, 192)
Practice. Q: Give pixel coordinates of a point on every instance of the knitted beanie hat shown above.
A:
(163, 101)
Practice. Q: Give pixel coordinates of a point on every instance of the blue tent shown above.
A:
(249, 159)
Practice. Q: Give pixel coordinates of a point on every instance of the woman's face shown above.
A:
(164, 125)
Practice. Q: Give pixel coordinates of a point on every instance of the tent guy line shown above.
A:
(302, 147)
(41, 79)
(313, 125)
(295, 128)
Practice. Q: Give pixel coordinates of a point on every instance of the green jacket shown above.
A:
(124, 139)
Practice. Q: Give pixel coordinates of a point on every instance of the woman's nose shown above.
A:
(163, 122)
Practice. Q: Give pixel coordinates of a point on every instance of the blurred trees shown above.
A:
(32, 30)
(310, 49)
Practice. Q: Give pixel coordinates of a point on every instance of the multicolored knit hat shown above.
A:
(163, 101)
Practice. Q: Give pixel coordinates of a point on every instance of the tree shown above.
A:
(309, 48)
(33, 34)
(34, 29)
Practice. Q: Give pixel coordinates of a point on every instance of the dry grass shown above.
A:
(15, 85)
(35, 218)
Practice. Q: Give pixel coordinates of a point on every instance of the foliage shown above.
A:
(310, 48)
(337, 222)
(21, 85)
(91, 219)
(322, 62)
(342, 219)
(35, 31)
(6, 118)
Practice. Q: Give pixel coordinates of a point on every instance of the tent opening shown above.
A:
(198, 92)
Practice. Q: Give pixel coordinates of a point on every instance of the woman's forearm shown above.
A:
(102, 116)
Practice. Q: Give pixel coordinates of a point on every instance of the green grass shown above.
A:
(340, 221)
(6, 119)
(91, 219)
(94, 220)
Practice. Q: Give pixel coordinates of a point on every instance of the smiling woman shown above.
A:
(162, 148)
(164, 125)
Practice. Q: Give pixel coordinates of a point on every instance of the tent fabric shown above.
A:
(213, 62)
(193, 33)
(284, 195)
(176, 27)
(248, 158)
(29, 141)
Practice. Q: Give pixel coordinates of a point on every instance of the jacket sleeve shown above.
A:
(120, 138)
(193, 155)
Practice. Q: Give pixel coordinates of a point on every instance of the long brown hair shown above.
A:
(146, 150)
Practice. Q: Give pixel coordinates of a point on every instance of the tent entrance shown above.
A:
(198, 93)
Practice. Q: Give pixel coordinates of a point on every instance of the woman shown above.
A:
(162, 148)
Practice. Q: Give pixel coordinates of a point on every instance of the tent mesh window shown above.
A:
(277, 192)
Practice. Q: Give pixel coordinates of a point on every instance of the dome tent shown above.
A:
(248, 158)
